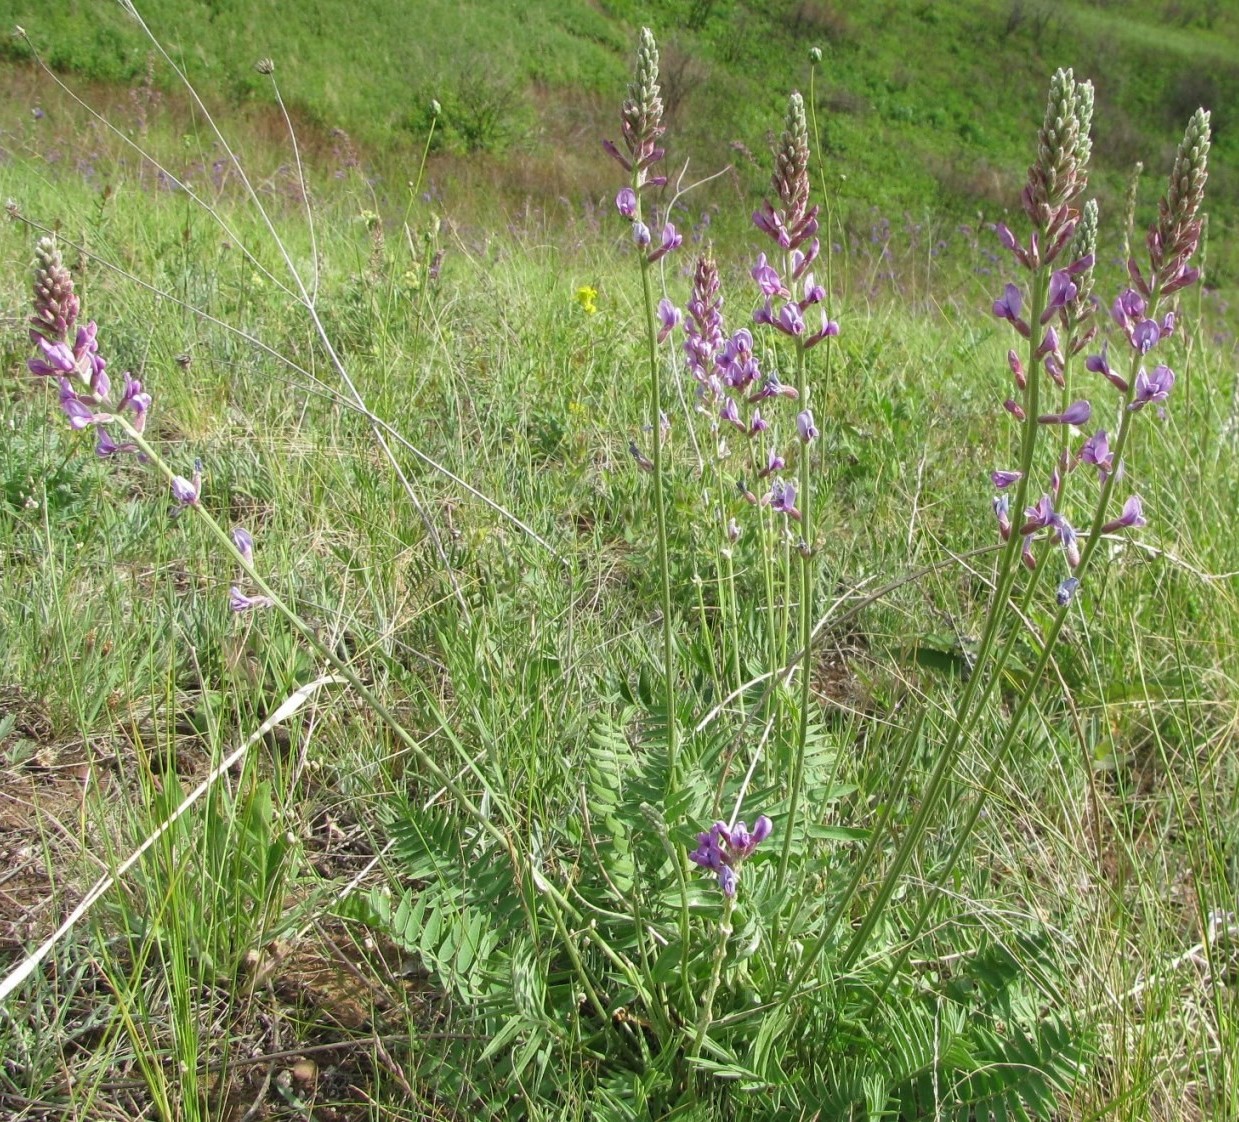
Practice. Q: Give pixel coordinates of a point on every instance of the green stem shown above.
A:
(660, 514)
(716, 975)
(979, 684)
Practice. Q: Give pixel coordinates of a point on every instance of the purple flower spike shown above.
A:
(239, 602)
(626, 202)
(1077, 413)
(669, 316)
(722, 851)
(1004, 479)
(1131, 518)
(1152, 387)
(671, 240)
(805, 426)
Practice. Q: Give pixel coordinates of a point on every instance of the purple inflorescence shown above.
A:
(723, 849)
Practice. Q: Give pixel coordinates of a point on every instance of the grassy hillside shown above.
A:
(526, 96)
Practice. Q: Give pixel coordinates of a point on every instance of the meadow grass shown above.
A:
(323, 934)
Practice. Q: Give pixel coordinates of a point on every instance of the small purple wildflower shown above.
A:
(1068, 539)
(774, 463)
(829, 329)
(1062, 290)
(239, 602)
(626, 202)
(1145, 335)
(722, 850)
(805, 426)
(1131, 518)
(244, 542)
(789, 320)
(1152, 387)
(1008, 307)
(1077, 413)
(1026, 554)
(670, 240)
(1096, 451)
(640, 235)
(1066, 591)
(772, 387)
(1004, 479)
(1014, 408)
(186, 492)
(669, 318)
(1002, 509)
(1038, 517)
(730, 412)
(782, 498)
(1099, 364)
(767, 279)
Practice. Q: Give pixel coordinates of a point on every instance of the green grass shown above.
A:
(327, 899)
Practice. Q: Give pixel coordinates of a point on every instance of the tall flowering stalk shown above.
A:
(641, 129)
(789, 293)
(1171, 243)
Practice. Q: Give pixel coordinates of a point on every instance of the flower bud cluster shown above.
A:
(1173, 238)
(794, 222)
(641, 118)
